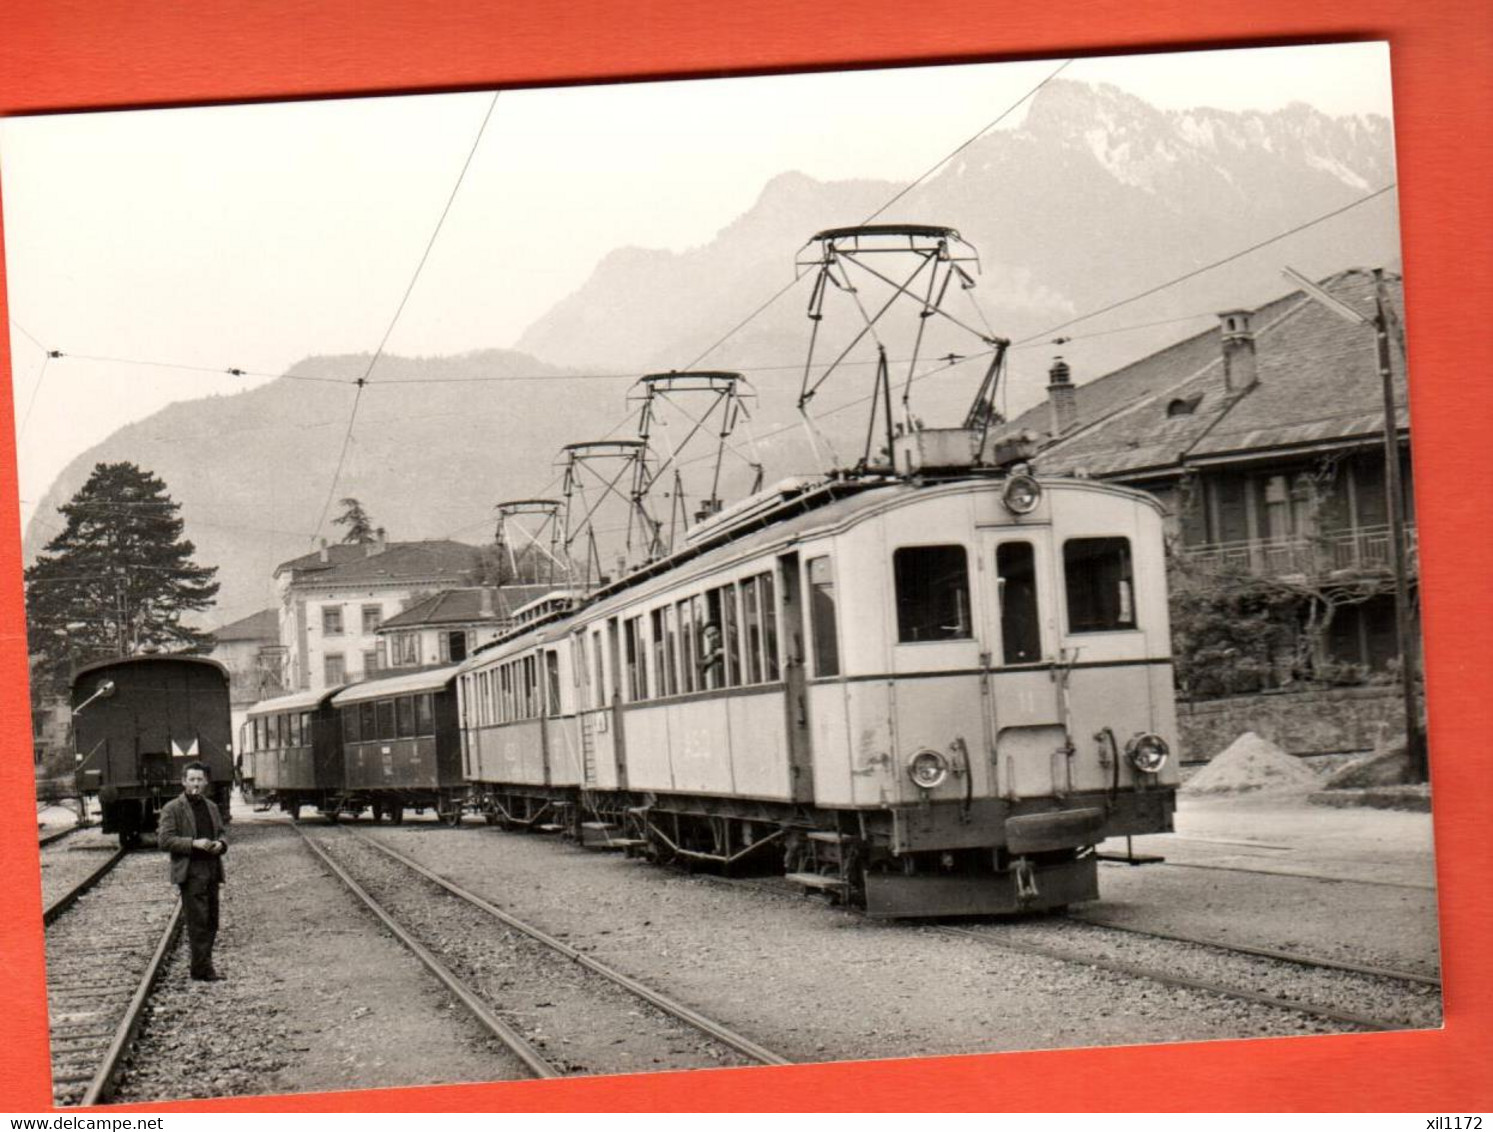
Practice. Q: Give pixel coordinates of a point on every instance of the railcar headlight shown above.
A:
(1147, 753)
(927, 769)
(1022, 494)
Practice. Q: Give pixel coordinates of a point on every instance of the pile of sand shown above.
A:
(1252, 763)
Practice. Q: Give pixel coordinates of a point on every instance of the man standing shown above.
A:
(191, 830)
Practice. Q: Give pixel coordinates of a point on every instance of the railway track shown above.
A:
(1415, 885)
(56, 835)
(70, 897)
(559, 1011)
(1264, 952)
(1319, 989)
(103, 959)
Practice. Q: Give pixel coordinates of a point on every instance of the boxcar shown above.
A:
(137, 722)
(291, 753)
(401, 745)
(924, 696)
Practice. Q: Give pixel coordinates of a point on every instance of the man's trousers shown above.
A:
(199, 904)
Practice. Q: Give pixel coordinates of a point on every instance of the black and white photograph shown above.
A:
(699, 574)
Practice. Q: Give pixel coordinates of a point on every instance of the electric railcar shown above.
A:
(137, 721)
(923, 696)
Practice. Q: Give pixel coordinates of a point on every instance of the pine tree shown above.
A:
(355, 519)
(117, 578)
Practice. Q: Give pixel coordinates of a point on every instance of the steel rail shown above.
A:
(102, 1086)
(57, 835)
(1136, 971)
(1295, 875)
(1265, 952)
(69, 898)
(668, 1005)
(532, 1059)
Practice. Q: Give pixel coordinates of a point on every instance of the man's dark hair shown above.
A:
(203, 767)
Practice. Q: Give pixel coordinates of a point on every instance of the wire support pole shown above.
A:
(1415, 747)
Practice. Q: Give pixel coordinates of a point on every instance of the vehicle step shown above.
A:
(816, 880)
(831, 838)
(550, 827)
(598, 825)
(1131, 858)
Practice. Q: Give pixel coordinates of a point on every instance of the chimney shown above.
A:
(326, 555)
(1062, 397)
(486, 609)
(1239, 370)
(377, 546)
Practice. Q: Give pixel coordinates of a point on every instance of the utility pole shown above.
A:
(1415, 746)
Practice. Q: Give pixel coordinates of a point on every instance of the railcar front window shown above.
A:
(1100, 584)
(932, 593)
(769, 628)
(1021, 631)
(823, 617)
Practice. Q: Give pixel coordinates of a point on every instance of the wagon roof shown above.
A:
(296, 701)
(426, 680)
(153, 658)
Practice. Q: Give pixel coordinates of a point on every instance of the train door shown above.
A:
(1025, 692)
(795, 680)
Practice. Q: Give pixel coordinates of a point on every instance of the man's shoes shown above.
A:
(208, 976)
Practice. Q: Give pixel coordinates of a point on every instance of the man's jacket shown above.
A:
(176, 830)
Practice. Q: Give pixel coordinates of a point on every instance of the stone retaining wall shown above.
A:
(1317, 722)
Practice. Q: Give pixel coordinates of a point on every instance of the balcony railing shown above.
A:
(1363, 548)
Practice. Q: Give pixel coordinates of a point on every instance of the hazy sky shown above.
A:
(253, 236)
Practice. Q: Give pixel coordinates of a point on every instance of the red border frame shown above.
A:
(74, 54)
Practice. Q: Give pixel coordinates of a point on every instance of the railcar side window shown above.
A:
(551, 682)
(687, 670)
(730, 623)
(1100, 584)
(1021, 629)
(367, 724)
(424, 718)
(599, 659)
(404, 715)
(350, 724)
(932, 593)
(823, 617)
(751, 616)
(637, 673)
(385, 719)
(769, 627)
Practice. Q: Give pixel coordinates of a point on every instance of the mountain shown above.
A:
(1096, 197)
(432, 452)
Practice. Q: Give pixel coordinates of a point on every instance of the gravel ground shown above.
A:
(580, 1022)
(1407, 1004)
(816, 983)
(1349, 885)
(65, 863)
(315, 997)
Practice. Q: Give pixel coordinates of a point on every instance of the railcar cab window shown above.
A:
(932, 593)
(1100, 584)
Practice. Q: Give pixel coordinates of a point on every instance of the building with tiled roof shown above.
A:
(333, 601)
(449, 626)
(251, 651)
(1265, 440)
